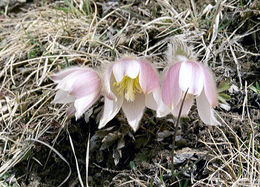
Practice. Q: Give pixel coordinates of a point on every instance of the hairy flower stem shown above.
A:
(175, 133)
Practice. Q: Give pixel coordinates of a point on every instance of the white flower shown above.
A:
(130, 83)
(78, 86)
(182, 74)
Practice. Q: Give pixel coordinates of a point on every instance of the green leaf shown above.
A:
(67, 62)
(223, 97)
(223, 86)
(132, 165)
(256, 88)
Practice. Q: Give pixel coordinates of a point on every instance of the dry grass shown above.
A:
(38, 41)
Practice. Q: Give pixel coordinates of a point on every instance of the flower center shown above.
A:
(129, 87)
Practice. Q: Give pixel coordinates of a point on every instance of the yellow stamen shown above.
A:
(129, 87)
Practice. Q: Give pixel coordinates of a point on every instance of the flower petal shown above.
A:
(71, 110)
(126, 67)
(154, 102)
(111, 109)
(63, 97)
(186, 106)
(84, 103)
(148, 78)
(162, 110)
(150, 101)
(134, 111)
(86, 84)
(191, 77)
(80, 83)
(209, 86)
(108, 82)
(62, 74)
(205, 110)
(133, 68)
(171, 92)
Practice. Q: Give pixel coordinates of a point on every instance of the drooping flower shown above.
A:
(182, 74)
(130, 83)
(78, 86)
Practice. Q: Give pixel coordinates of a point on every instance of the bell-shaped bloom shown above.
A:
(78, 86)
(133, 84)
(198, 79)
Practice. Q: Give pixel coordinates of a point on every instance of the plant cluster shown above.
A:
(133, 83)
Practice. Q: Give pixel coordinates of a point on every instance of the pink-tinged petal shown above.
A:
(205, 110)
(134, 111)
(108, 82)
(126, 67)
(63, 97)
(150, 102)
(209, 86)
(111, 108)
(154, 102)
(62, 74)
(84, 103)
(191, 77)
(86, 84)
(186, 106)
(148, 78)
(80, 83)
(171, 92)
(71, 110)
(162, 110)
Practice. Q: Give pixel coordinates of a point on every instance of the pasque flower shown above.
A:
(186, 73)
(78, 86)
(130, 83)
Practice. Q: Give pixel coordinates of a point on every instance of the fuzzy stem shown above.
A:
(175, 132)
